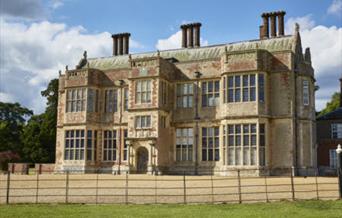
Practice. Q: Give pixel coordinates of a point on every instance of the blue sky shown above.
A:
(38, 38)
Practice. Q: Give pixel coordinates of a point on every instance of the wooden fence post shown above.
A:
(8, 186)
(316, 179)
(97, 187)
(266, 190)
(239, 187)
(184, 187)
(37, 187)
(126, 189)
(67, 187)
(292, 187)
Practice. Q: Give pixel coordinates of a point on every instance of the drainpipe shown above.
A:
(197, 118)
(122, 83)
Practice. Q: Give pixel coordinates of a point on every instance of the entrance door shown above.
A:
(142, 159)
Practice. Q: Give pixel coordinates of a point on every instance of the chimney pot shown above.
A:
(121, 43)
(191, 35)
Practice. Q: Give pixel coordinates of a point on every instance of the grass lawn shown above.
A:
(300, 209)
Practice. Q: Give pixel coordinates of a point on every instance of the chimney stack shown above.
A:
(271, 17)
(120, 43)
(191, 35)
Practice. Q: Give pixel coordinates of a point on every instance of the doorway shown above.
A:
(142, 160)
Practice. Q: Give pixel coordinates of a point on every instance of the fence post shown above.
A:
(8, 186)
(292, 187)
(37, 187)
(184, 187)
(266, 190)
(317, 192)
(155, 190)
(97, 187)
(67, 187)
(339, 169)
(239, 187)
(212, 188)
(126, 189)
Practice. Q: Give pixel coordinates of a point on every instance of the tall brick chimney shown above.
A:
(271, 17)
(191, 34)
(120, 43)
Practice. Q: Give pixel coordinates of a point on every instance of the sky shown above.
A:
(39, 37)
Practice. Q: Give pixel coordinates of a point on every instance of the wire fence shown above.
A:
(73, 187)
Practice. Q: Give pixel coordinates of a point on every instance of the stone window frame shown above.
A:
(74, 144)
(111, 101)
(76, 100)
(332, 158)
(240, 88)
(336, 130)
(210, 143)
(110, 145)
(143, 119)
(188, 95)
(125, 146)
(126, 99)
(236, 149)
(91, 145)
(184, 144)
(143, 93)
(208, 94)
(163, 121)
(164, 92)
(306, 92)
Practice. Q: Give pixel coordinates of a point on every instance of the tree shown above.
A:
(12, 120)
(39, 136)
(332, 105)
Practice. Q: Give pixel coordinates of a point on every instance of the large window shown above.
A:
(126, 99)
(91, 145)
(143, 91)
(74, 145)
(210, 93)
(76, 100)
(261, 88)
(111, 100)
(306, 96)
(143, 122)
(242, 144)
(109, 145)
(336, 130)
(92, 100)
(164, 92)
(241, 88)
(210, 144)
(185, 93)
(332, 158)
(125, 149)
(184, 144)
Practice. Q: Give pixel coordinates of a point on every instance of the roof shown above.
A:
(284, 43)
(333, 115)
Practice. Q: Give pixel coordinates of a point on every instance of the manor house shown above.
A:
(245, 105)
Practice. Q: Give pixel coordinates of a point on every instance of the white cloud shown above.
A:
(305, 23)
(56, 4)
(32, 54)
(335, 8)
(23, 9)
(174, 42)
(326, 54)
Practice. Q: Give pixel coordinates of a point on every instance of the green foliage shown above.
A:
(301, 209)
(332, 105)
(39, 136)
(12, 120)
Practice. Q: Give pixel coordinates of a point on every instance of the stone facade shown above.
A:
(260, 89)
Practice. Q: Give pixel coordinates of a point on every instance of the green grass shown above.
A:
(300, 209)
